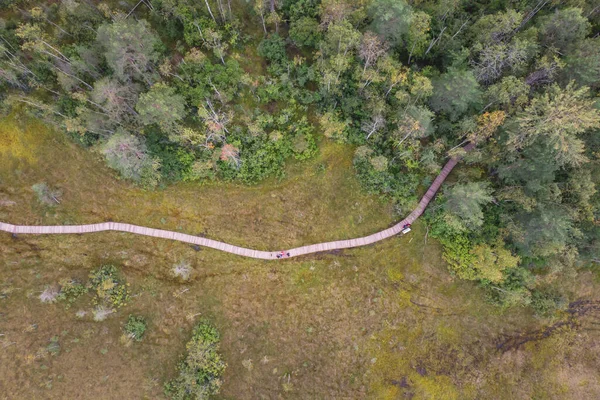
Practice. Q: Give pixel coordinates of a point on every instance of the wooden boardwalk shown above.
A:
(242, 251)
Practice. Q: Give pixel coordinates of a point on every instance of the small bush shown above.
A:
(53, 347)
(273, 49)
(46, 195)
(71, 290)
(200, 373)
(135, 328)
(547, 301)
(111, 290)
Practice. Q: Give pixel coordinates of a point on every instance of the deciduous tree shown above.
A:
(455, 92)
(128, 155)
(563, 28)
(161, 105)
(371, 48)
(130, 49)
(391, 19)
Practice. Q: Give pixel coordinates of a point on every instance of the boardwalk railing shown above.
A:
(242, 251)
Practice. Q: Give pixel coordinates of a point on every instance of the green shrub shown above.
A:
(381, 177)
(547, 301)
(200, 373)
(71, 290)
(110, 289)
(273, 49)
(305, 32)
(53, 347)
(135, 327)
(175, 162)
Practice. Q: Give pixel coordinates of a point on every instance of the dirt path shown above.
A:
(242, 251)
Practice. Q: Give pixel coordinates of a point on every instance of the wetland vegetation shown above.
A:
(275, 124)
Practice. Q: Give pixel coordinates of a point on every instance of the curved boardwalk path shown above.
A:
(242, 251)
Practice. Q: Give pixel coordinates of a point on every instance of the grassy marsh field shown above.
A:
(386, 321)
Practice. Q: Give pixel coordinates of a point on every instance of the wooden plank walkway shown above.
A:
(242, 251)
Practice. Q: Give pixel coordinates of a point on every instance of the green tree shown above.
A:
(557, 117)
(200, 372)
(542, 233)
(496, 28)
(583, 62)
(305, 32)
(563, 28)
(417, 36)
(135, 328)
(130, 49)
(273, 49)
(490, 262)
(454, 93)
(337, 53)
(340, 39)
(511, 93)
(464, 201)
(391, 19)
(332, 126)
(128, 155)
(161, 105)
(414, 123)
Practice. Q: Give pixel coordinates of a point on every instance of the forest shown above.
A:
(169, 91)
(173, 90)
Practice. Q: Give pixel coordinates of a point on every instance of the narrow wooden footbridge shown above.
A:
(242, 251)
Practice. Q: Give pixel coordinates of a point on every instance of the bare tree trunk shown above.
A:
(61, 29)
(221, 9)
(390, 89)
(460, 29)
(531, 14)
(74, 77)
(199, 30)
(372, 132)
(411, 51)
(65, 58)
(594, 11)
(133, 9)
(210, 11)
(215, 89)
(41, 107)
(262, 19)
(435, 41)
(149, 5)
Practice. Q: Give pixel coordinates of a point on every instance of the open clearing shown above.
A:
(385, 321)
